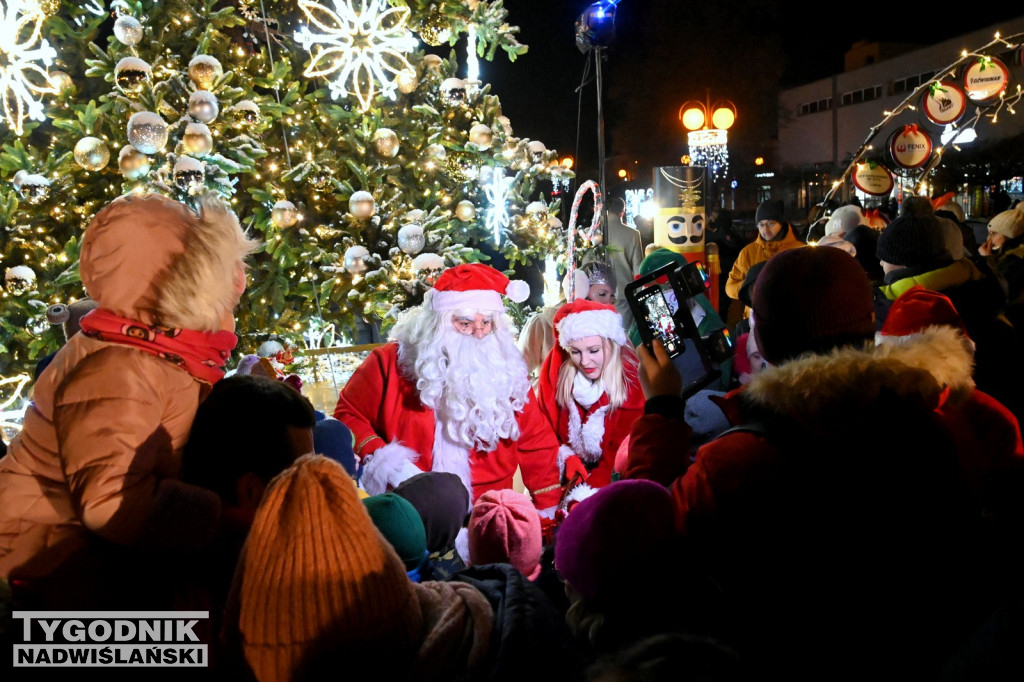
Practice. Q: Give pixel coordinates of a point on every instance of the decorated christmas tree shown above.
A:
(348, 135)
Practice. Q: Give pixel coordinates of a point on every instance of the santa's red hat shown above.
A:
(583, 318)
(918, 308)
(475, 286)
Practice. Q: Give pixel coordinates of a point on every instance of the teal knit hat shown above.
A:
(658, 258)
(401, 525)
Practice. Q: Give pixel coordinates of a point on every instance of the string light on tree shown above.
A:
(365, 45)
(21, 79)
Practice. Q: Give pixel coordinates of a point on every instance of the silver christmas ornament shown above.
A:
(362, 205)
(197, 140)
(203, 106)
(17, 179)
(453, 91)
(131, 74)
(356, 260)
(481, 136)
(19, 280)
(147, 132)
(128, 30)
(411, 239)
(133, 164)
(536, 149)
(188, 174)
(246, 112)
(33, 187)
(92, 154)
(284, 214)
(385, 140)
(427, 267)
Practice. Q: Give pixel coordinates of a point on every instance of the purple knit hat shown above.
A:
(615, 536)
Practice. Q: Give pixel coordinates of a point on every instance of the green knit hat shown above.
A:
(658, 258)
(401, 525)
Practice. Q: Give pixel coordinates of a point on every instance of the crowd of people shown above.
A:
(845, 502)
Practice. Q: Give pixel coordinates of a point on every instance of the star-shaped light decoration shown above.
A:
(364, 42)
(21, 80)
(12, 404)
(496, 219)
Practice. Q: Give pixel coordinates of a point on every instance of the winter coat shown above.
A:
(756, 252)
(100, 448)
(842, 518)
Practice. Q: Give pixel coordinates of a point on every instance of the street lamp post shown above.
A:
(708, 139)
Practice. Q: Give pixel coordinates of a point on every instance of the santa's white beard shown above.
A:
(475, 387)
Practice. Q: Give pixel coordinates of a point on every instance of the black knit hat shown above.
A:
(770, 209)
(811, 300)
(914, 238)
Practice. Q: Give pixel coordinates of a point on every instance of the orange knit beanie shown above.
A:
(318, 582)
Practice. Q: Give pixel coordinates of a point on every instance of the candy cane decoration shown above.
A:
(595, 225)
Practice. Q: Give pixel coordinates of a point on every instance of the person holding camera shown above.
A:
(589, 392)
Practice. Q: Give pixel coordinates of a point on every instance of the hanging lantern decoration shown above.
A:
(465, 210)
(128, 30)
(460, 167)
(131, 74)
(453, 91)
(246, 112)
(204, 71)
(284, 214)
(480, 136)
(385, 140)
(411, 239)
(362, 205)
(356, 260)
(197, 140)
(147, 132)
(19, 280)
(203, 106)
(91, 153)
(133, 164)
(32, 187)
(188, 174)
(435, 29)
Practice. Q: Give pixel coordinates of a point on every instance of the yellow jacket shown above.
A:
(756, 252)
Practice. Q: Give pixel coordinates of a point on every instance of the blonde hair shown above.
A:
(613, 376)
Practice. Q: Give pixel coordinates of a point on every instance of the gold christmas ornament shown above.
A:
(432, 62)
(460, 167)
(204, 71)
(62, 81)
(362, 205)
(406, 81)
(284, 214)
(385, 141)
(131, 74)
(197, 140)
(481, 136)
(133, 164)
(91, 153)
(536, 150)
(465, 210)
(435, 29)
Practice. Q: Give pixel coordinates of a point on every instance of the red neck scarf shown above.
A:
(201, 354)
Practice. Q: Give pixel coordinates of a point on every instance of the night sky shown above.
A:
(666, 52)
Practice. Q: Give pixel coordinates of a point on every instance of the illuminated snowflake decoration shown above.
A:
(363, 42)
(21, 80)
(496, 218)
(12, 404)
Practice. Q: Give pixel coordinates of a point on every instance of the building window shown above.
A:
(859, 96)
(911, 82)
(815, 107)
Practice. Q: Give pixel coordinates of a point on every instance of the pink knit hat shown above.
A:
(504, 528)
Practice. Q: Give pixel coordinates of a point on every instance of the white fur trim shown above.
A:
(564, 453)
(580, 493)
(548, 513)
(451, 458)
(585, 439)
(388, 465)
(605, 323)
(517, 290)
(462, 545)
(474, 299)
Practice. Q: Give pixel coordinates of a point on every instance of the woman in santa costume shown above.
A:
(589, 391)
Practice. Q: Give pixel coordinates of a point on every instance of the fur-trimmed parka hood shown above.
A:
(926, 370)
(152, 259)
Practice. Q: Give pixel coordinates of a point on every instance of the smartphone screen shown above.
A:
(656, 305)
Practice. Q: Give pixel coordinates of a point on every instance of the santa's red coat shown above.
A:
(381, 406)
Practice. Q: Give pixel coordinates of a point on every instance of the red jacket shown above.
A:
(380, 406)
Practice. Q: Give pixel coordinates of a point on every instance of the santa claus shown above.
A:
(451, 393)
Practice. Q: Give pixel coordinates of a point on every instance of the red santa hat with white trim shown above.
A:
(915, 310)
(583, 318)
(475, 286)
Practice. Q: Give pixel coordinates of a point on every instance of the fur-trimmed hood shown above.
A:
(926, 370)
(150, 258)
